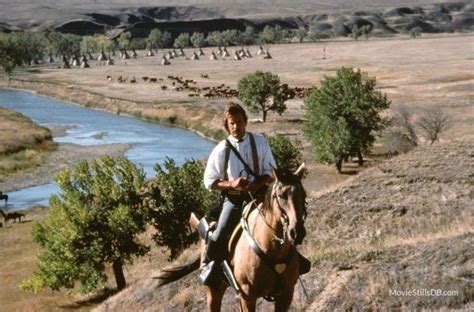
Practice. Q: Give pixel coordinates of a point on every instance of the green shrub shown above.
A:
(94, 220)
(182, 192)
(287, 154)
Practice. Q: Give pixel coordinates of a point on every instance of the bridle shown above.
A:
(283, 215)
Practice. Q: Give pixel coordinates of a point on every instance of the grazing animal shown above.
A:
(5, 197)
(12, 216)
(271, 269)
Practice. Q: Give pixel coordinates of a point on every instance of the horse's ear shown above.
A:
(300, 171)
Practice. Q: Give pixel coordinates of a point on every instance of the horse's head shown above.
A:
(288, 199)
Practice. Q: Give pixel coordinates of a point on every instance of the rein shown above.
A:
(276, 266)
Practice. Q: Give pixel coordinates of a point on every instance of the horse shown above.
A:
(4, 197)
(276, 226)
(12, 216)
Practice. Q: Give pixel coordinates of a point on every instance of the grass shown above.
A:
(23, 144)
(18, 258)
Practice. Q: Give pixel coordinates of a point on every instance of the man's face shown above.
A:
(236, 126)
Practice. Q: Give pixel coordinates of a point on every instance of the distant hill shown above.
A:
(140, 16)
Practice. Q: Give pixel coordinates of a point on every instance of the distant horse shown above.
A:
(15, 216)
(5, 197)
(275, 227)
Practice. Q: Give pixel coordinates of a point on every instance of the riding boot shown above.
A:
(305, 264)
(211, 273)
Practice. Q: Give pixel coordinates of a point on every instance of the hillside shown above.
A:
(404, 225)
(139, 17)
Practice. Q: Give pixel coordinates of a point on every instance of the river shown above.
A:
(152, 143)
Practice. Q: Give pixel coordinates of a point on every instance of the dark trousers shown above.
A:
(228, 220)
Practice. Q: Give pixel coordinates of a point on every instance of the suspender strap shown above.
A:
(254, 155)
(237, 154)
(226, 161)
(255, 172)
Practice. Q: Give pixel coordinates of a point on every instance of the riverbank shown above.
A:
(65, 156)
(201, 122)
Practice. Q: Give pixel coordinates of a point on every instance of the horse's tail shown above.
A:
(167, 276)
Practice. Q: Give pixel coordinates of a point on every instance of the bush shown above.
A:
(400, 136)
(182, 192)
(94, 220)
(287, 154)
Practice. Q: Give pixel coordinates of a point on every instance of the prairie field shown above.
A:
(401, 223)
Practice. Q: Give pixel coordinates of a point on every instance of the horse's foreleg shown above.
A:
(214, 298)
(248, 304)
(283, 302)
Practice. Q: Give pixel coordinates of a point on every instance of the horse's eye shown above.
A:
(283, 195)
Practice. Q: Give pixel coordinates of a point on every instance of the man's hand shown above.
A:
(259, 183)
(240, 184)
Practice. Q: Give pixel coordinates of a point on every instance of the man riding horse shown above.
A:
(241, 168)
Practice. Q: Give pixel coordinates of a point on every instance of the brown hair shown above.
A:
(234, 109)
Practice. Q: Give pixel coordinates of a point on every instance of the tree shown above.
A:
(433, 121)
(215, 38)
(90, 44)
(301, 33)
(314, 33)
(198, 40)
(343, 115)
(182, 41)
(57, 44)
(11, 53)
(356, 32)
(415, 32)
(248, 36)
(104, 44)
(287, 154)
(400, 135)
(183, 192)
(158, 39)
(261, 91)
(124, 40)
(365, 31)
(271, 34)
(94, 220)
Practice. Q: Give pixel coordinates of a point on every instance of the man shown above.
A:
(236, 177)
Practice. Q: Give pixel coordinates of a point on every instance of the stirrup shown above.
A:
(210, 275)
(229, 275)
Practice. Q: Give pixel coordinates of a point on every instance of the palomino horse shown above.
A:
(276, 227)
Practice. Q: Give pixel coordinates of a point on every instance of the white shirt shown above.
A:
(215, 164)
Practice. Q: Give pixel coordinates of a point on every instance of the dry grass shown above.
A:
(344, 231)
(22, 143)
(18, 258)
